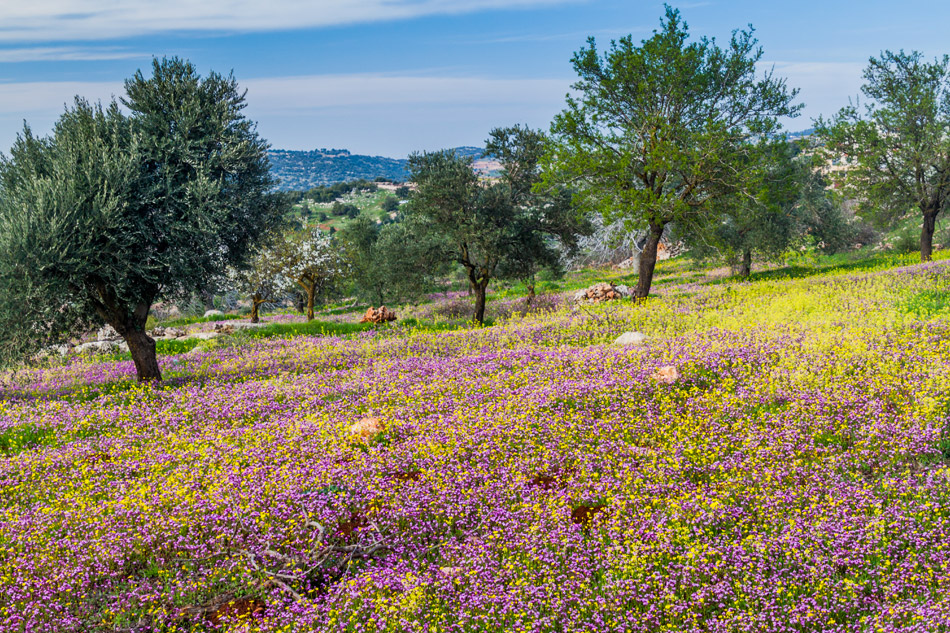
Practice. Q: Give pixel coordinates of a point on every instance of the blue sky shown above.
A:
(389, 77)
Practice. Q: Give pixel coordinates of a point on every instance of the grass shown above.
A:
(928, 303)
(190, 320)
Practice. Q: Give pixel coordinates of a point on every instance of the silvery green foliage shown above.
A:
(113, 212)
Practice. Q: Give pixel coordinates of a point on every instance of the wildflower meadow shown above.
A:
(791, 472)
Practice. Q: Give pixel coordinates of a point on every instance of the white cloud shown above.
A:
(370, 113)
(70, 20)
(308, 93)
(65, 53)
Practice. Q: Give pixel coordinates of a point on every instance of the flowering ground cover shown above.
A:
(524, 477)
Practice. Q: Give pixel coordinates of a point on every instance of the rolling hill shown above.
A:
(301, 170)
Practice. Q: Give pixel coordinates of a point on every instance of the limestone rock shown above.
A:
(242, 325)
(107, 333)
(636, 339)
(96, 347)
(666, 374)
(366, 427)
(202, 336)
(378, 315)
(213, 313)
(599, 292)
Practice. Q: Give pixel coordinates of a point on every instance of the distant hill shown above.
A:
(301, 170)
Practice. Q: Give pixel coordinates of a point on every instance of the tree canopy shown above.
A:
(112, 212)
(899, 146)
(492, 229)
(783, 203)
(658, 130)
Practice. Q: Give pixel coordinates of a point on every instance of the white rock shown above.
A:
(240, 325)
(107, 333)
(96, 347)
(52, 350)
(636, 339)
(625, 291)
(211, 313)
(580, 295)
(201, 336)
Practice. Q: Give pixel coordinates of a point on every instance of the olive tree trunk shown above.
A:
(131, 327)
(481, 290)
(745, 268)
(142, 348)
(256, 302)
(648, 261)
(927, 235)
(311, 296)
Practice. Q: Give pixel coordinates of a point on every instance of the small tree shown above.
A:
(548, 224)
(111, 213)
(900, 146)
(264, 280)
(490, 229)
(390, 204)
(390, 263)
(660, 129)
(311, 260)
(472, 220)
(765, 219)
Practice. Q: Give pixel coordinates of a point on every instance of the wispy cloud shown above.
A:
(293, 94)
(376, 112)
(572, 35)
(48, 98)
(65, 53)
(61, 20)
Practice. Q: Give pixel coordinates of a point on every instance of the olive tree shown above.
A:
(493, 230)
(900, 144)
(112, 212)
(658, 130)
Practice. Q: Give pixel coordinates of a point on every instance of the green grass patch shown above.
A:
(928, 303)
(310, 328)
(23, 438)
(200, 319)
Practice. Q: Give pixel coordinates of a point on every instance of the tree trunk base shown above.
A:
(142, 348)
(648, 262)
(927, 237)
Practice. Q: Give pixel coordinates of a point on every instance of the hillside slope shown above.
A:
(301, 170)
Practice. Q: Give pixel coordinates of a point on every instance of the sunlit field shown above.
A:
(790, 473)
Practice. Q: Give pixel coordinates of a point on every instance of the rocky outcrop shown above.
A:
(601, 292)
(382, 314)
(666, 374)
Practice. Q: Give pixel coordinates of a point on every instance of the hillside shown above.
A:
(298, 170)
(762, 462)
(301, 170)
